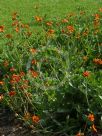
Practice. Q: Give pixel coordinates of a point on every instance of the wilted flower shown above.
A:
(12, 93)
(9, 36)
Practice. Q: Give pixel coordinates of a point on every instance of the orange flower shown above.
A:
(15, 23)
(100, 62)
(97, 61)
(70, 28)
(22, 74)
(1, 83)
(25, 26)
(38, 19)
(32, 50)
(34, 73)
(86, 73)
(49, 23)
(85, 33)
(9, 36)
(63, 31)
(12, 69)
(17, 29)
(35, 119)
(100, 9)
(15, 78)
(91, 117)
(51, 31)
(1, 28)
(12, 93)
(34, 62)
(97, 16)
(1, 97)
(94, 128)
(64, 21)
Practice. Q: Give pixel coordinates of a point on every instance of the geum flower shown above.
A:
(86, 74)
(35, 119)
(49, 23)
(1, 28)
(38, 19)
(1, 82)
(91, 117)
(65, 21)
(12, 93)
(70, 28)
(50, 32)
(1, 97)
(33, 73)
(97, 61)
(32, 50)
(15, 79)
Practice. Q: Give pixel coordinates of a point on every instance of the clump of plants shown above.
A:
(50, 73)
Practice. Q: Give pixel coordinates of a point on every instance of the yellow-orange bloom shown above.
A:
(1, 97)
(97, 61)
(17, 29)
(1, 83)
(86, 73)
(97, 16)
(91, 117)
(35, 119)
(1, 28)
(51, 31)
(70, 28)
(32, 50)
(100, 9)
(33, 73)
(38, 19)
(12, 93)
(34, 62)
(64, 21)
(49, 23)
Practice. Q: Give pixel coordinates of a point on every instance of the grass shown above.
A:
(53, 8)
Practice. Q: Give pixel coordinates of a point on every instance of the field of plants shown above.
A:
(51, 65)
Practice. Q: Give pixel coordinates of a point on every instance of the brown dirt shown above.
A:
(9, 126)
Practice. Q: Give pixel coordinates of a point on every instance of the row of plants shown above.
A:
(50, 73)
